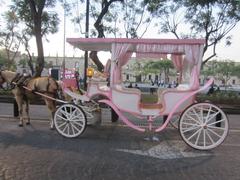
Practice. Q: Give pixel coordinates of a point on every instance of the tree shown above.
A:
(3, 59)
(225, 70)
(39, 21)
(127, 18)
(25, 42)
(236, 71)
(11, 37)
(157, 67)
(210, 69)
(105, 5)
(212, 20)
(165, 65)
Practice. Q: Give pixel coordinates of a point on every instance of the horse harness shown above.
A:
(21, 80)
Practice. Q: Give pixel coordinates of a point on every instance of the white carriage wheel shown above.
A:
(70, 120)
(203, 126)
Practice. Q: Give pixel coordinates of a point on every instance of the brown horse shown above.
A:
(45, 85)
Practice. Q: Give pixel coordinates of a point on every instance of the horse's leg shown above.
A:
(27, 112)
(19, 100)
(52, 108)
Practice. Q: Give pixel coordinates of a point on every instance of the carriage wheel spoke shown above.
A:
(210, 137)
(198, 137)
(77, 118)
(190, 129)
(64, 113)
(74, 127)
(201, 113)
(209, 111)
(68, 129)
(74, 118)
(62, 124)
(62, 118)
(204, 137)
(197, 115)
(198, 122)
(214, 133)
(73, 114)
(194, 134)
(191, 124)
(214, 127)
(216, 122)
(212, 116)
(65, 127)
(79, 124)
(73, 131)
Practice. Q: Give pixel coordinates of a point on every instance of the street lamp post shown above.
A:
(86, 52)
(64, 38)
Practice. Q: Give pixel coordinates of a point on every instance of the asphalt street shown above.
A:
(109, 152)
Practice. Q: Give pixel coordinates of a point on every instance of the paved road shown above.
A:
(111, 152)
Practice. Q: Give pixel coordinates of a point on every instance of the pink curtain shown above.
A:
(194, 81)
(120, 56)
(121, 53)
(177, 60)
(193, 55)
(107, 67)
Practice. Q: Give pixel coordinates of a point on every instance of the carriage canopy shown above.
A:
(185, 53)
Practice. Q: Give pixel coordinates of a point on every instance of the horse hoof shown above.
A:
(27, 123)
(52, 128)
(20, 125)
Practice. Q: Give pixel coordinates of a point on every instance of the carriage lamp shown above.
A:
(90, 72)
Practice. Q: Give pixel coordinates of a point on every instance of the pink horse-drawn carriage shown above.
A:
(201, 125)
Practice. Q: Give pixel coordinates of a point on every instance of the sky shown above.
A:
(55, 43)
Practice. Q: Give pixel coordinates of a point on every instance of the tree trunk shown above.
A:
(30, 62)
(40, 58)
(100, 29)
(94, 57)
(36, 13)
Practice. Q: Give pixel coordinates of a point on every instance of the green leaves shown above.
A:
(212, 20)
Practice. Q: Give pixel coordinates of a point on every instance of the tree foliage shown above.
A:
(11, 37)
(222, 70)
(40, 20)
(158, 67)
(116, 18)
(212, 20)
(3, 59)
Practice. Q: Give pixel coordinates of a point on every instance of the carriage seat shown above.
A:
(99, 77)
(150, 106)
(126, 99)
(170, 97)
